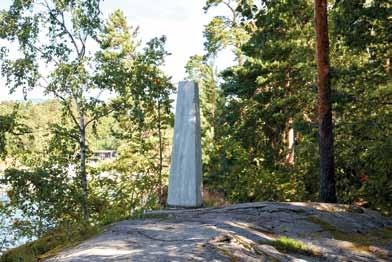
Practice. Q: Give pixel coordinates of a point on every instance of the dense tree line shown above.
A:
(267, 143)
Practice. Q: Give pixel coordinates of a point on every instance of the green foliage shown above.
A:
(46, 193)
(203, 72)
(68, 27)
(142, 109)
(225, 31)
(263, 99)
(362, 80)
(273, 92)
(48, 185)
(11, 128)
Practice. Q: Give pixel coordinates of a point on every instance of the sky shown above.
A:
(181, 21)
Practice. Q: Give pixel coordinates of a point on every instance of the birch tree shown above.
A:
(55, 41)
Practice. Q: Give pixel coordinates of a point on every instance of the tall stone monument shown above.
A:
(185, 181)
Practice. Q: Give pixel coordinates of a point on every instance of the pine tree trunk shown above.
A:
(327, 168)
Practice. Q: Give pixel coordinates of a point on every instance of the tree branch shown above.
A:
(62, 24)
(67, 106)
(70, 35)
(42, 53)
(234, 20)
(101, 115)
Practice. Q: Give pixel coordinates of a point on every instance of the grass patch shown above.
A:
(50, 244)
(288, 245)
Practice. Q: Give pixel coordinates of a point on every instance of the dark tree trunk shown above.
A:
(327, 168)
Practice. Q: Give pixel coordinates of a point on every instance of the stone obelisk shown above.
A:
(185, 181)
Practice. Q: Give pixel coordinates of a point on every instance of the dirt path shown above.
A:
(244, 232)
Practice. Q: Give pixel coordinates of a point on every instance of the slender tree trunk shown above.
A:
(83, 175)
(327, 168)
(160, 152)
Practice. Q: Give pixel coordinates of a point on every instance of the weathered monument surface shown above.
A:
(185, 181)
